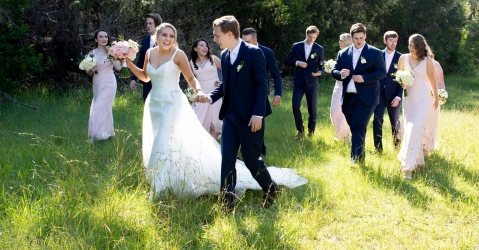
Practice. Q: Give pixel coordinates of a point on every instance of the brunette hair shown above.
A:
(250, 31)
(390, 34)
(312, 29)
(100, 30)
(156, 18)
(228, 23)
(357, 28)
(420, 46)
(194, 54)
(168, 25)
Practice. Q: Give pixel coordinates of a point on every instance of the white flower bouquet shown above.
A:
(88, 63)
(442, 96)
(329, 65)
(405, 78)
(122, 50)
(190, 94)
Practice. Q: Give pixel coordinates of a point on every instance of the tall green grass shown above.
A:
(59, 192)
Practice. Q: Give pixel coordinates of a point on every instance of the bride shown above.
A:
(179, 155)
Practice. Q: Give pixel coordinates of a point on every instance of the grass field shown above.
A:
(59, 192)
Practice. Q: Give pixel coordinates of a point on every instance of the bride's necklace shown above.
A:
(164, 59)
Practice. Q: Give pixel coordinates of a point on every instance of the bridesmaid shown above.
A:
(343, 133)
(204, 66)
(430, 135)
(100, 125)
(418, 104)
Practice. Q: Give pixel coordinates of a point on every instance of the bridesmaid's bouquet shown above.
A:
(88, 63)
(405, 78)
(190, 94)
(123, 50)
(442, 96)
(329, 65)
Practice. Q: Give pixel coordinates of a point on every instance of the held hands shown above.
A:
(302, 64)
(217, 83)
(201, 97)
(358, 78)
(256, 123)
(276, 100)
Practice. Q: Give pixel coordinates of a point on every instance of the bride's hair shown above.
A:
(194, 54)
(420, 46)
(169, 25)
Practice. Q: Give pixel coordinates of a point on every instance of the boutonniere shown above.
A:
(313, 56)
(363, 60)
(395, 66)
(240, 66)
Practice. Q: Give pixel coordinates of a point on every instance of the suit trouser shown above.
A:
(312, 99)
(235, 133)
(357, 115)
(393, 113)
(146, 90)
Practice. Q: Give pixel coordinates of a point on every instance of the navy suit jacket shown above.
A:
(249, 87)
(373, 70)
(145, 45)
(390, 87)
(297, 53)
(272, 66)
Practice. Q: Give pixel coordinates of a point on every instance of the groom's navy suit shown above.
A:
(145, 45)
(358, 107)
(305, 83)
(389, 89)
(244, 90)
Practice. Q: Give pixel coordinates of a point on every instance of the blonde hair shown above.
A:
(346, 37)
(168, 25)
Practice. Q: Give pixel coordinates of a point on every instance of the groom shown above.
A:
(244, 90)
(359, 67)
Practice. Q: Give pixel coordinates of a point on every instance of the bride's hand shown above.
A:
(435, 104)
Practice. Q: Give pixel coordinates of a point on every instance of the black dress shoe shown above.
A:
(310, 134)
(268, 198)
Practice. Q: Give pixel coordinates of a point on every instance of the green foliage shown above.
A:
(21, 62)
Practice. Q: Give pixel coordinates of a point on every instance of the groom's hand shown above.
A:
(255, 122)
(358, 78)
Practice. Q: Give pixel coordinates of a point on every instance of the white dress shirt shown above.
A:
(389, 59)
(152, 41)
(356, 54)
(307, 51)
(234, 52)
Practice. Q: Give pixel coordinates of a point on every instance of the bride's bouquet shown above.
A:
(190, 94)
(88, 63)
(405, 78)
(442, 96)
(329, 65)
(123, 50)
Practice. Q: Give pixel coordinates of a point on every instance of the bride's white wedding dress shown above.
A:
(180, 156)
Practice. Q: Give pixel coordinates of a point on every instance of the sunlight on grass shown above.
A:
(59, 192)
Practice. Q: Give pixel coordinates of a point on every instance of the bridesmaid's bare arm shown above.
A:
(139, 73)
(432, 81)
(217, 62)
(182, 61)
(116, 65)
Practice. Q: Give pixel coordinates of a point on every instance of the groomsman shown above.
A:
(153, 20)
(359, 67)
(250, 36)
(307, 57)
(390, 94)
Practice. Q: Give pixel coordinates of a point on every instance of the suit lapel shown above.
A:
(362, 55)
(303, 51)
(226, 66)
(238, 60)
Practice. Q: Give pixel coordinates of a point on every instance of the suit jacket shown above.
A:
(272, 66)
(390, 87)
(248, 88)
(372, 70)
(145, 45)
(315, 63)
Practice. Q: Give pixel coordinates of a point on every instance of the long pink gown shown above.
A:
(207, 113)
(100, 125)
(343, 132)
(430, 136)
(416, 110)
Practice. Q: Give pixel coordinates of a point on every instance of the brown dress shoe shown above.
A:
(299, 136)
(268, 198)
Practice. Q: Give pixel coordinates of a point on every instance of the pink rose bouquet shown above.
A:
(123, 50)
